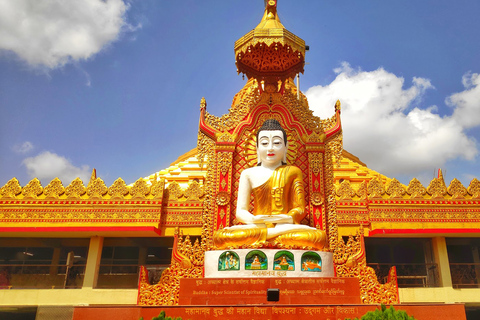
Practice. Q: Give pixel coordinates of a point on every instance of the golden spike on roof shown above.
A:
(270, 17)
(93, 176)
(440, 175)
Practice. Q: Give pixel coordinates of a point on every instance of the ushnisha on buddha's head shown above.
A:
(272, 144)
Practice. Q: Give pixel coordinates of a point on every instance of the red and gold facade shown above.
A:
(197, 195)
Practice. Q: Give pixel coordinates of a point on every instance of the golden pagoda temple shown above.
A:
(87, 250)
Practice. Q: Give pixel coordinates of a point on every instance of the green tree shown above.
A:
(386, 314)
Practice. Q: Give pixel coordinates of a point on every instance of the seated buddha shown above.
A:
(279, 200)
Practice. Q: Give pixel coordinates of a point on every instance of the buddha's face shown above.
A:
(271, 148)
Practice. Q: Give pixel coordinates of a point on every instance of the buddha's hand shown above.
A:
(277, 219)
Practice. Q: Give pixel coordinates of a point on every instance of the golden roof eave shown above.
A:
(269, 36)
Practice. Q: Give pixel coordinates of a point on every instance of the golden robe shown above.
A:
(282, 193)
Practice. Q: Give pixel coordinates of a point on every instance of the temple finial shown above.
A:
(203, 103)
(270, 18)
(338, 105)
(440, 174)
(93, 176)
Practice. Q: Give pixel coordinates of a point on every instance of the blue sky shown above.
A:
(116, 85)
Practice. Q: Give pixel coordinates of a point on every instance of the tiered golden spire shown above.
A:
(270, 52)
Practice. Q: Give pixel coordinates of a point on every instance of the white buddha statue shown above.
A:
(279, 200)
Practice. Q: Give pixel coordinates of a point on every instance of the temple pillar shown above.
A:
(316, 152)
(225, 146)
(93, 262)
(441, 258)
(55, 261)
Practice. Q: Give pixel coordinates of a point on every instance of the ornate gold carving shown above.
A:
(316, 137)
(96, 188)
(426, 214)
(375, 188)
(416, 189)
(157, 188)
(362, 191)
(223, 198)
(336, 146)
(474, 188)
(316, 198)
(223, 183)
(187, 262)
(11, 188)
(249, 150)
(203, 103)
(83, 214)
(395, 189)
(351, 262)
(316, 162)
(437, 188)
(33, 189)
(118, 189)
(222, 213)
(194, 191)
(75, 189)
(226, 137)
(183, 218)
(345, 191)
(139, 189)
(204, 144)
(338, 106)
(54, 189)
(224, 161)
(456, 189)
(270, 57)
(174, 191)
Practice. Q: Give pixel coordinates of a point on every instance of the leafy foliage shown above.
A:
(386, 314)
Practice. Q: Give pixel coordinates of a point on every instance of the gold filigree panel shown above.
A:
(416, 189)
(33, 189)
(224, 160)
(139, 189)
(457, 190)
(118, 189)
(194, 191)
(174, 191)
(80, 215)
(264, 59)
(54, 189)
(395, 189)
(11, 188)
(96, 188)
(75, 189)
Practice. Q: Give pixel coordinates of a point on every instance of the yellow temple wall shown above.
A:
(71, 297)
(440, 295)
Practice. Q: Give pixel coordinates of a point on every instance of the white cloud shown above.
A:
(386, 128)
(23, 148)
(51, 33)
(467, 102)
(47, 166)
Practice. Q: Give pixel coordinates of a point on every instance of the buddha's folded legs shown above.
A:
(236, 237)
(306, 238)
